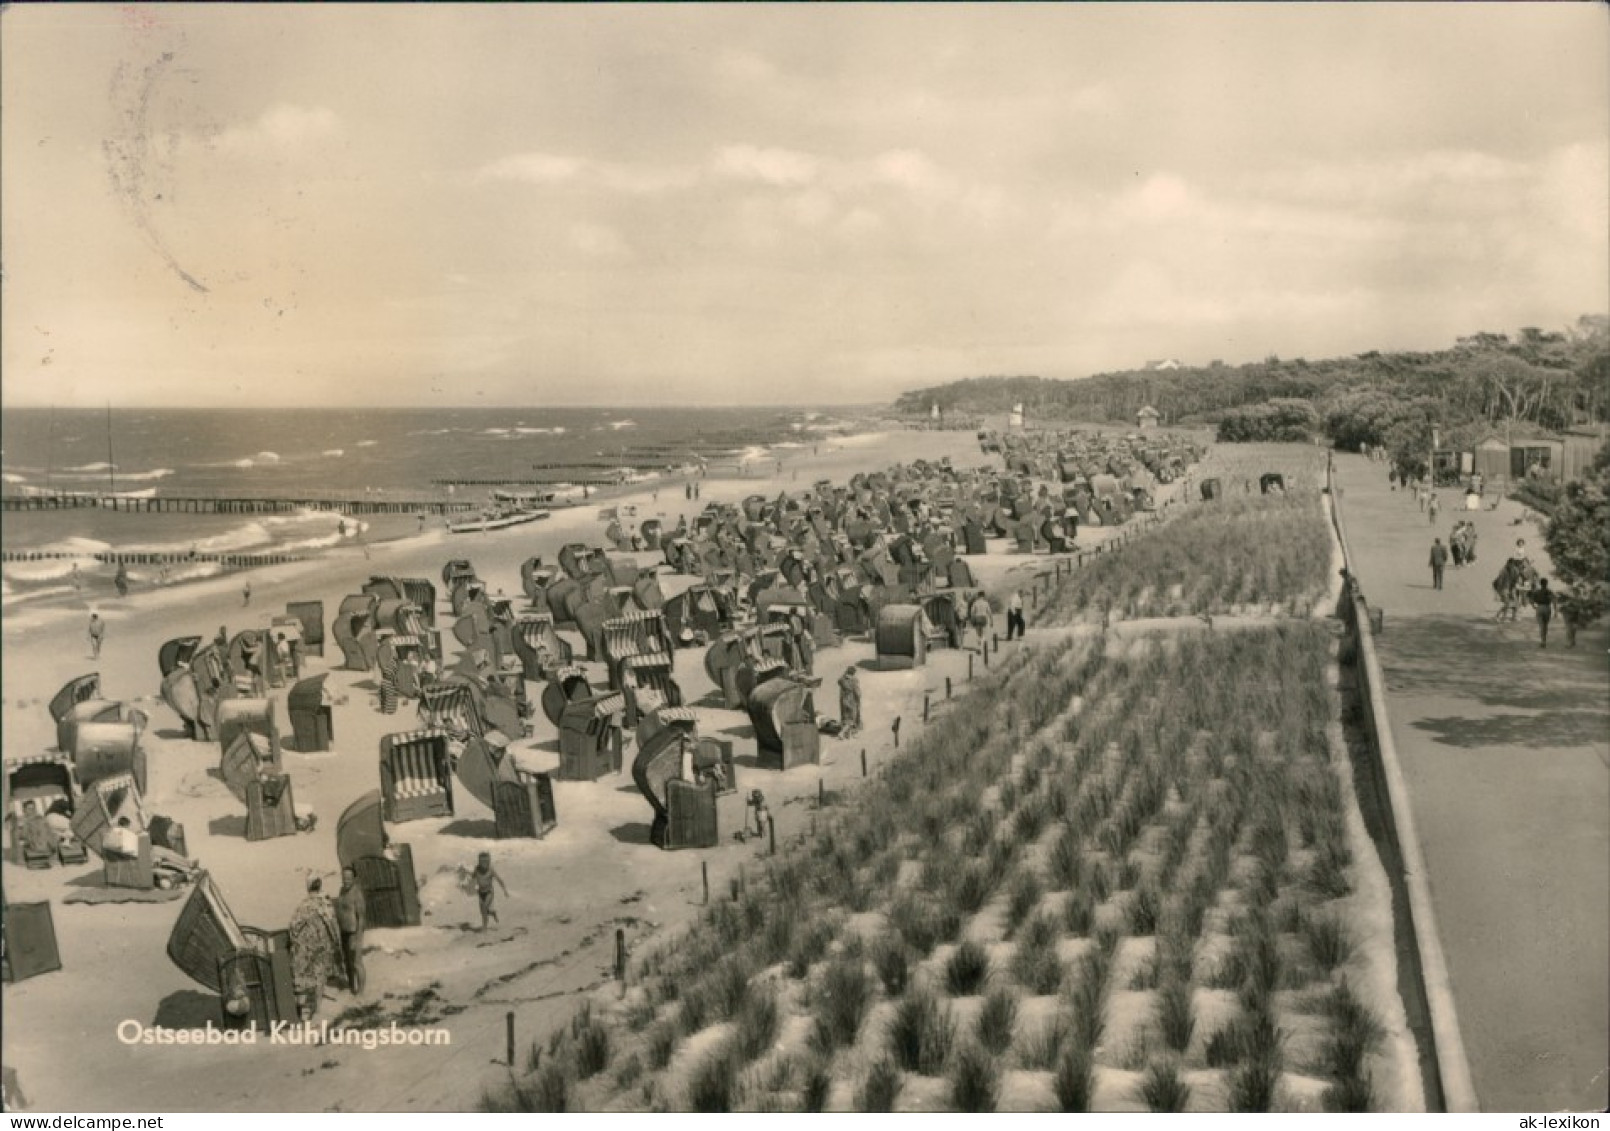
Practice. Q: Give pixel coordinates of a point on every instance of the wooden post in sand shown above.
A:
(863, 761)
(895, 726)
(947, 687)
(771, 833)
(821, 794)
(704, 871)
(969, 667)
(508, 1021)
(620, 956)
(925, 707)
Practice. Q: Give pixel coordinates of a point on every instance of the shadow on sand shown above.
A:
(632, 832)
(187, 1009)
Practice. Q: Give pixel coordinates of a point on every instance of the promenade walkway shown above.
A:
(1506, 752)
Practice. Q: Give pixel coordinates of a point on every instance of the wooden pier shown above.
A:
(194, 504)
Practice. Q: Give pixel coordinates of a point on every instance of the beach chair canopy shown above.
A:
(74, 692)
(41, 778)
(176, 653)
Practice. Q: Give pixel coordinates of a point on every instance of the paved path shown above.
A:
(1506, 751)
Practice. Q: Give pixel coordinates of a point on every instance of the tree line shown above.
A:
(1537, 380)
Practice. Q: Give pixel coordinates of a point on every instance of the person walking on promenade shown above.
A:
(97, 634)
(1014, 615)
(1543, 601)
(1432, 507)
(1439, 559)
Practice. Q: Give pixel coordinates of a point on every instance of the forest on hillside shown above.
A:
(1537, 379)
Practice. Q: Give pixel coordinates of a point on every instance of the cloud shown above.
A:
(598, 241)
(768, 165)
(533, 168)
(278, 130)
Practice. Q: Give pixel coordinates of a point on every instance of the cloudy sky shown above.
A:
(585, 204)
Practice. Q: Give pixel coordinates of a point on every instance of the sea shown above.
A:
(333, 454)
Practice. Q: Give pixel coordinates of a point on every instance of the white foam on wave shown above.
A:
(496, 431)
(11, 477)
(100, 471)
(9, 596)
(372, 443)
(617, 425)
(335, 453)
(92, 467)
(269, 457)
(538, 431)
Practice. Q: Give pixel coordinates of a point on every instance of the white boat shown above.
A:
(495, 520)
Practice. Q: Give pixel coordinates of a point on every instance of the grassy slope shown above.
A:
(1109, 880)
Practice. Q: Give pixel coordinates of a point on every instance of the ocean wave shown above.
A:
(92, 467)
(243, 463)
(617, 425)
(495, 431)
(122, 476)
(11, 477)
(335, 452)
(52, 569)
(10, 596)
(538, 431)
(172, 575)
(367, 443)
(269, 457)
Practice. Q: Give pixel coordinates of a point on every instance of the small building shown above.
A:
(1154, 365)
(1491, 460)
(1016, 419)
(1148, 417)
(1581, 445)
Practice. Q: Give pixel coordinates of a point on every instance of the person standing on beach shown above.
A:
(483, 878)
(97, 634)
(315, 945)
(1433, 507)
(1014, 615)
(1439, 559)
(849, 703)
(352, 916)
(246, 594)
(122, 580)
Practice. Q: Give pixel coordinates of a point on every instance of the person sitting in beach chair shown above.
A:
(132, 860)
(36, 843)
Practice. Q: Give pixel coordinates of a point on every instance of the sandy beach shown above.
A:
(568, 893)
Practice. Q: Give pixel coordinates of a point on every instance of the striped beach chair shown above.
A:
(450, 707)
(416, 775)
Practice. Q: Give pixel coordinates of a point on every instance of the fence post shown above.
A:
(969, 667)
(620, 956)
(895, 726)
(863, 761)
(704, 872)
(508, 1021)
(947, 687)
(821, 793)
(925, 707)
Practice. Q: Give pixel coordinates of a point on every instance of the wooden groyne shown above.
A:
(194, 504)
(113, 557)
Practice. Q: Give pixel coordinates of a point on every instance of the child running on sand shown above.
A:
(481, 880)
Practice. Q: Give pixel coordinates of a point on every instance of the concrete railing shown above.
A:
(1427, 988)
